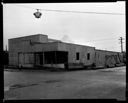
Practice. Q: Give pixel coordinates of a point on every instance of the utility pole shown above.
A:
(121, 42)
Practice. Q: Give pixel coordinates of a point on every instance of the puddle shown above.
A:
(108, 71)
(22, 85)
(52, 81)
(15, 86)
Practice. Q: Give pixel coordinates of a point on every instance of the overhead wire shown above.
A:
(106, 13)
(77, 12)
(101, 39)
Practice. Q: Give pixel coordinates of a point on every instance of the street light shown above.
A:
(37, 14)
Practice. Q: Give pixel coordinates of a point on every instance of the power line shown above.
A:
(84, 12)
(100, 40)
(106, 13)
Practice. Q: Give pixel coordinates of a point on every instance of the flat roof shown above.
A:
(66, 43)
(107, 51)
(77, 44)
(29, 36)
(54, 40)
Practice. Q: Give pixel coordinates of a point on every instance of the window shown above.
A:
(77, 56)
(88, 56)
(28, 58)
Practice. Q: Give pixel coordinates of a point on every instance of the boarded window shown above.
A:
(77, 56)
(88, 56)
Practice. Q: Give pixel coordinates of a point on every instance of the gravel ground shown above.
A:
(81, 84)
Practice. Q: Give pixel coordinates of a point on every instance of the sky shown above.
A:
(98, 30)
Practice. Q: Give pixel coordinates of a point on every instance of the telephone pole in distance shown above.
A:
(121, 42)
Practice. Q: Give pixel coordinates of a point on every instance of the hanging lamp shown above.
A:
(37, 14)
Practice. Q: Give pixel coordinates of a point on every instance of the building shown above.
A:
(104, 58)
(41, 51)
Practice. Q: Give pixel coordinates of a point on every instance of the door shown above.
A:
(39, 59)
(21, 59)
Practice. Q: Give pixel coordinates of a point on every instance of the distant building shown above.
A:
(41, 51)
(104, 58)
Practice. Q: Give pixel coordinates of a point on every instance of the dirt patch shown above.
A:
(52, 81)
(22, 85)
(107, 71)
(113, 70)
(15, 86)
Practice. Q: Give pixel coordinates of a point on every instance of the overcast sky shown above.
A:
(99, 30)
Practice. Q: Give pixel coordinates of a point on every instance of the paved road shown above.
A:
(82, 84)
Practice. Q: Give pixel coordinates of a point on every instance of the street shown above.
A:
(107, 83)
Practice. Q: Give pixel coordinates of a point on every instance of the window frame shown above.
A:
(77, 56)
(88, 56)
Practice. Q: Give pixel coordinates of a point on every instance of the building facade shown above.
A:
(41, 51)
(105, 58)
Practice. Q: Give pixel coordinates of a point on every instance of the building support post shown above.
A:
(43, 58)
